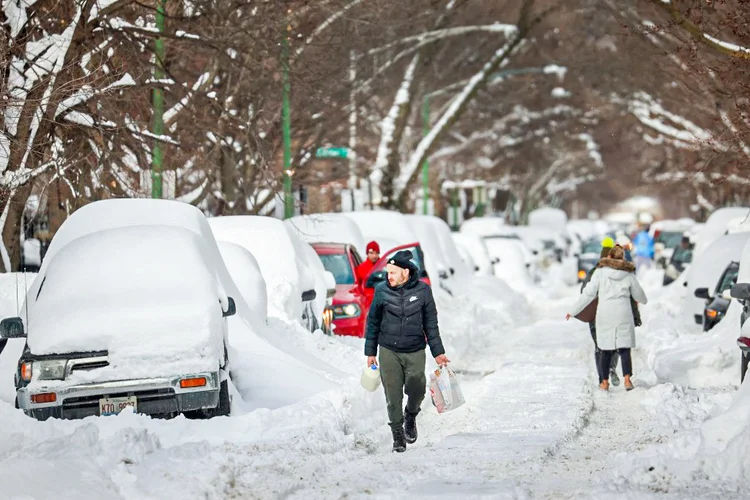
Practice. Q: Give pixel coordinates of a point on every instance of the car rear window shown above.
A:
(339, 265)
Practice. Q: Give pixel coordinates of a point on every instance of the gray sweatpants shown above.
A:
(402, 372)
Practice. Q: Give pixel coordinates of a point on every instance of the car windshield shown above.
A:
(670, 239)
(593, 247)
(729, 279)
(338, 264)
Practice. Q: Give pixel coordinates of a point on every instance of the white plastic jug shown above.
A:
(370, 378)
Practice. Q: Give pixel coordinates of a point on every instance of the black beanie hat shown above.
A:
(402, 259)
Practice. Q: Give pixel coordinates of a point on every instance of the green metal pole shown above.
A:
(454, 203)
(158, 104)
(286, 119)
(426, 164)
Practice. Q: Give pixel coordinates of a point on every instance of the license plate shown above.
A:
(113, 406)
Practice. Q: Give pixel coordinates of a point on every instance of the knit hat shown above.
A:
(402, 259)
(373, 245)
(608, 242)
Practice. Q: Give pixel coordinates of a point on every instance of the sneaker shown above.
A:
(399, 440)
(604, 385)
(613, 378)
(410, 427)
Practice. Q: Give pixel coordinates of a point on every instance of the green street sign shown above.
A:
(332, 153)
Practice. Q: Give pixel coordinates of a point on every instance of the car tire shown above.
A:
(225, 401)
(743, 367)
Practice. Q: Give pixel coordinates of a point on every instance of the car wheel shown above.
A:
(743, 367)
(225, 401)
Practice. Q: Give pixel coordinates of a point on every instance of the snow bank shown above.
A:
(329, 228)
(154, 316)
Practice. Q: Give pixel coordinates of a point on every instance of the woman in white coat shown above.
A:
(613, 283)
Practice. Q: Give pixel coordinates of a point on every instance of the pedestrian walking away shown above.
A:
(614, 284)
(644, 249)
(401, 323)
(607, 245)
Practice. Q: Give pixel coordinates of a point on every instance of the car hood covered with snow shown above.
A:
(135, 292)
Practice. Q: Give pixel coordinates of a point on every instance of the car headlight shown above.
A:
(52, 369)
(346, 311)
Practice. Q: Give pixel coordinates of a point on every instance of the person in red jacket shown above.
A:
(365, 268)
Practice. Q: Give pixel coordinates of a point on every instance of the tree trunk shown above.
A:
(16, 203)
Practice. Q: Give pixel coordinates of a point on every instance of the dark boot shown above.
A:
(399, 440)
(410, 427)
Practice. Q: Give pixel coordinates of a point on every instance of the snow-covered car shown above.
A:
(511, 262)
(707, 268)
(248, 277)
(678, 263)
(147, 333)
(590, 253)
(329, 228)
(716, 226)
(717, 300)
(476, 249)
(494, 227)
(296, 282)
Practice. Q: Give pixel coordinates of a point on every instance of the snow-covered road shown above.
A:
(534, 426)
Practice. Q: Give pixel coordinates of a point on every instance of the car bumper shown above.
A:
(351, 327)
(155, 396)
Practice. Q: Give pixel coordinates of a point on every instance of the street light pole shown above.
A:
(287, 128)
(158, 104)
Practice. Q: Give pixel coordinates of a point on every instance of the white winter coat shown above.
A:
(614, 316)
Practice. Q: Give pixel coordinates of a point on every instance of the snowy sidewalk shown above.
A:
(538, 397)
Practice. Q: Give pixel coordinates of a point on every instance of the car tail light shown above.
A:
(45, 397)
(710, 313)
(26, 371)
(581, 274)
(187, 383)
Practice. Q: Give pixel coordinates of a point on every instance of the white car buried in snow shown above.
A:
(125, 317)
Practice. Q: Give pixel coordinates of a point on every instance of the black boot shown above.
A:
(399, 440)
(410, 427)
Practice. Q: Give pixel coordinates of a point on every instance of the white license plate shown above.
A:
(113, 406)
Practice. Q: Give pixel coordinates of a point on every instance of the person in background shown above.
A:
(402, 322)
(644, 248)
(615, 285)
(365, 268)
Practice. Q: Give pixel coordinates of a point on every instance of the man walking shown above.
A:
(644, 249)
(402, 321)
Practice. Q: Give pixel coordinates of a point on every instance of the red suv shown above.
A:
(350, 305)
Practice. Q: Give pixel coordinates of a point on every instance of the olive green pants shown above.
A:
(402, 372)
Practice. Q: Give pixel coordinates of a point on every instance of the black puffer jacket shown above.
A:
(401, 318)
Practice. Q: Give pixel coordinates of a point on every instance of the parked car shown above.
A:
(350, 305)
(477, 251)
(147, 333)
(589, 258)
(707, 268)
(678, 263)
(667, 236)
(296, 282)
(717, 301)
(379, 274)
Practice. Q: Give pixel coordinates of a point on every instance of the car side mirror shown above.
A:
(702, 293)
(309, 295)
(496, 260)
(443, 274)
(740, 291)
(476, 269)
(727, 294)
(453, 271)
(231, 308)
(12, 328)
(375, 278)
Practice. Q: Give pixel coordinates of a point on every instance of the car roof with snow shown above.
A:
(383, 225)
(328, 228)
(132, 290)
(485, 226)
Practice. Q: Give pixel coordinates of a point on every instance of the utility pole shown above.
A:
(353, 124)
(426, 164)
(287, 128)
(158, 104)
